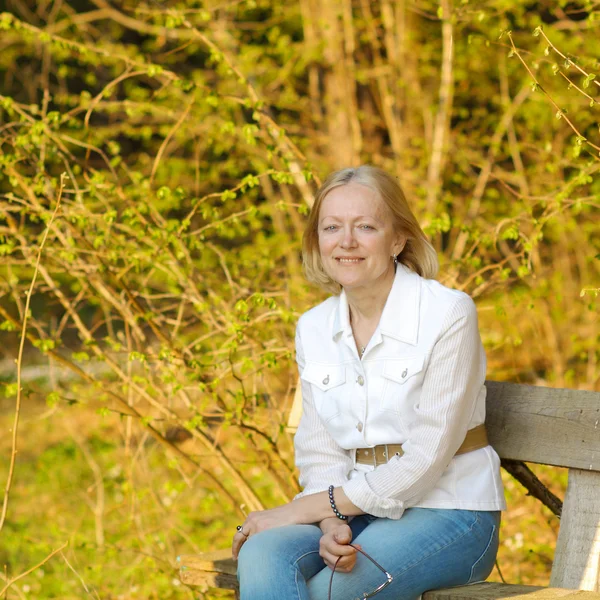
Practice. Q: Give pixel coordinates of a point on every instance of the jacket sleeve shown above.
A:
(451, 386)
(320, 460)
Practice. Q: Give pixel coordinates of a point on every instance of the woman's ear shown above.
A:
(399, 245)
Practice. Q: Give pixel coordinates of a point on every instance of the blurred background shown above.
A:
(157, 163)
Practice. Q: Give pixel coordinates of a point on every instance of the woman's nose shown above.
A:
(348, 239)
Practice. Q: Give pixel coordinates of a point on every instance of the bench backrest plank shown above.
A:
(548, 426)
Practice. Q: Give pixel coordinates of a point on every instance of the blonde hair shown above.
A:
(418, 254)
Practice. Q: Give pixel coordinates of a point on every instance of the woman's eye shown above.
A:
(367, 227)
(329, 228)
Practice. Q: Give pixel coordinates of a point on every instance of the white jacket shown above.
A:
(420, 384)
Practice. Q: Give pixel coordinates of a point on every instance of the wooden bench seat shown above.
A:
(558, 427)
(217, 570)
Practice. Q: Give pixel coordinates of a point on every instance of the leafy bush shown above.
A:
(183, 143)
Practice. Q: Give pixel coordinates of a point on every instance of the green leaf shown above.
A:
(11, 390)
(6, 21)
(241, 306)
(588, 80)
(228, 195)
(8, 326)
(137, 356)
(52, 399)
(510, 233)
(45, 345)
(154, 70)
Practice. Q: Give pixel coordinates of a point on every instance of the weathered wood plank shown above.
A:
(219, 560)
(549, 426)
(493, 591)
(577, 556)
(214, 569)
(207, 581)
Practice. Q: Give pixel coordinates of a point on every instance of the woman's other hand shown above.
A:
(335, 543)
(262, 520)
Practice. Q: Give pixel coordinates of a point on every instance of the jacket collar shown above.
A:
(400, 317)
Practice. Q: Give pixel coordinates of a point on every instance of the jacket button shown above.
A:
(359, 426)
(360, 380)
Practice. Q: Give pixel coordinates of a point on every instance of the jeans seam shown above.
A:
(483, 554)
(442, 547)
(297, 571)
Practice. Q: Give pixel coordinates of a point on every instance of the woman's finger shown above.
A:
(345, 560)
(332, 547)
(344, 565)
(238, 540)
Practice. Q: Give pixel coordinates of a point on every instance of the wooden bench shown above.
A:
(558, 427)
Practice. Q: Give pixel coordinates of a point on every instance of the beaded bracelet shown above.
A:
(337, 513)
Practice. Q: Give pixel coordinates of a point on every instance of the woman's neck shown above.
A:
(366, 304)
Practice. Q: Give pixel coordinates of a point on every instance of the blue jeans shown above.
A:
(426, 549)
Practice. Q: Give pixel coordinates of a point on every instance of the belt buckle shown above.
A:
(385, 453)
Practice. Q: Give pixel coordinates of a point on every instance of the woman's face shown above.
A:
(356, 237)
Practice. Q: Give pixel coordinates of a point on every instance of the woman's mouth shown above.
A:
(348, 261)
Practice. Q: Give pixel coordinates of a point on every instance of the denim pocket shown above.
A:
(485, 563)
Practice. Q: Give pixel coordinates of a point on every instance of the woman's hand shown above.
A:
(261, 521)
(335, 543)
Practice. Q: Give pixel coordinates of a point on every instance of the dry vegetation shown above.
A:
(158, 370)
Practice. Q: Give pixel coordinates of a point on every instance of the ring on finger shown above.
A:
(240, 528)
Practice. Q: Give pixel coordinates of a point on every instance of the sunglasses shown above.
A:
(389, 578)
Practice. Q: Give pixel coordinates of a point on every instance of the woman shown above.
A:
(391, 447)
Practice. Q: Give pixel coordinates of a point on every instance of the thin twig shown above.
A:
(582, 71)
(500, 572)
(15, 579)
(20, 355)
(571, 83)
(79, 576)
(559, 110)
(168, 139)
(3, 577)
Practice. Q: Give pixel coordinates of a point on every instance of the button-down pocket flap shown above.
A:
(323, 376)
(402, 369)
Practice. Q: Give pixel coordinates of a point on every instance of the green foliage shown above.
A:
(193, 137)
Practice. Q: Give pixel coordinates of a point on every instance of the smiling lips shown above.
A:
(348, 260)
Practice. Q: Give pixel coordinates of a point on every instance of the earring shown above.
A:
(395, 259)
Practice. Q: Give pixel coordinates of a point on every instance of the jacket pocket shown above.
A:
(326, 385)
(402, 378)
